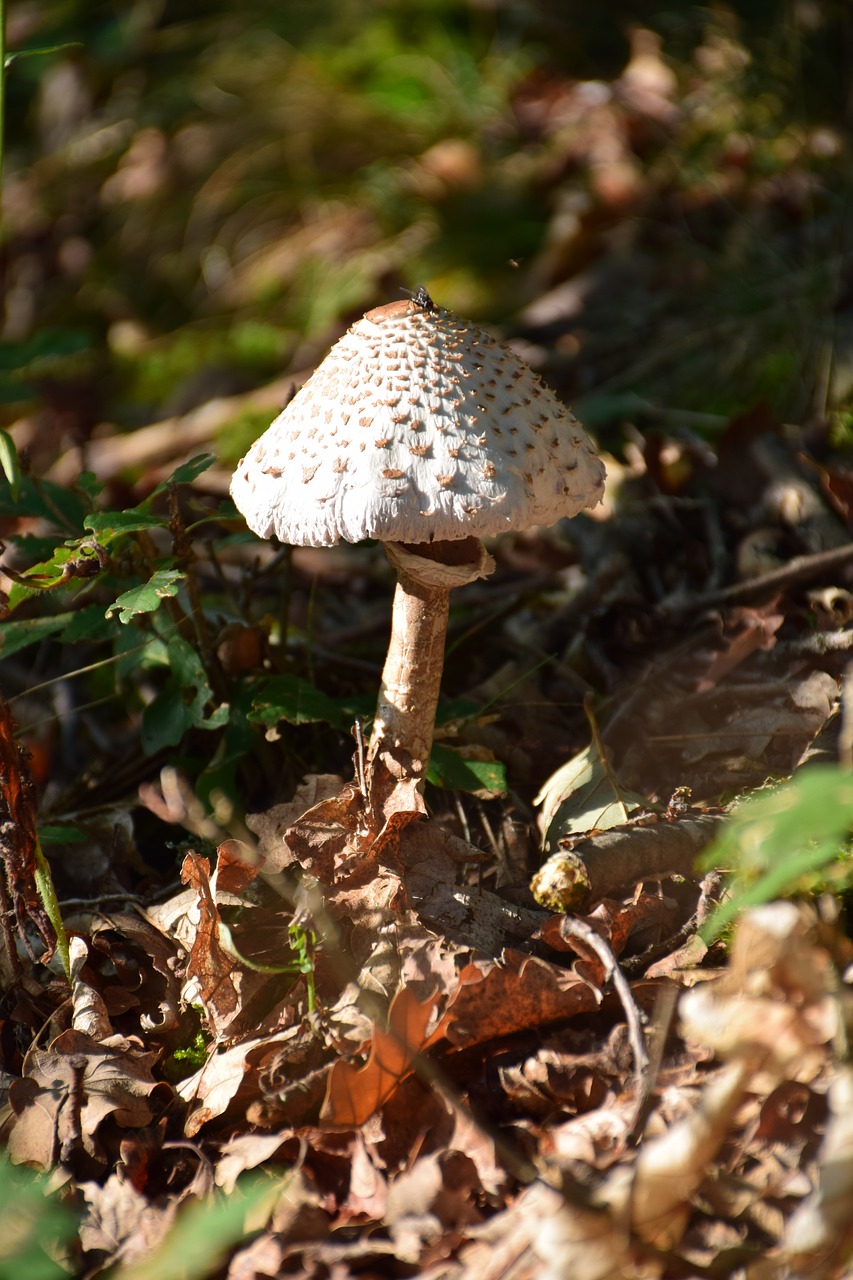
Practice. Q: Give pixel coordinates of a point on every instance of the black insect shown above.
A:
(421, 299)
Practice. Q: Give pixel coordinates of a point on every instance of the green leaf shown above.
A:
(50, 351)
(449, 769)
(290, 698)
(41, 52)
(39, 1225)
(182, 704)
(112, 524)
(10, 464)
(16, 635)
(777, 840)
(59, 833)
(60, 507)
(583, 795)
(148, 597)
(165, 720)
(88, 623)
(39, 577)
(184, 474)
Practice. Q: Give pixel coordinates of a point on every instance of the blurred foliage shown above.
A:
(196, 193)
(38, 1228)
(785, 840)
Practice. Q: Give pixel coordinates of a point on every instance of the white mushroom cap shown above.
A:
(417, 426)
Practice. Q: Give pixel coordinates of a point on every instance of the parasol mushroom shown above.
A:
(422, 431)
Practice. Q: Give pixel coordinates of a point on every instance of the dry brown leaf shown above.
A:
(270, 826)
(70, 1088)
(136, 962)
(435, 1196)
(212, 970)
(655, 1195)
(120, 1224)
(756, 629)
(354, 1093)
(777, 1003)
(818, 1238)
(368, 1186)
(212, 1088)
(244, 1151)
(18, 847)
(494, 999)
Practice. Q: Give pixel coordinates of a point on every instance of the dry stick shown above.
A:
(600, 865)
(800, 569)
(573, 928)
(662, 1019)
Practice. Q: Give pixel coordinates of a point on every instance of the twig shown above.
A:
(662, 1017)
(570, 927)
(800, 569)
(598, 866)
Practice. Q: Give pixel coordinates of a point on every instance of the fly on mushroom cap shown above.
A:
(416, 426)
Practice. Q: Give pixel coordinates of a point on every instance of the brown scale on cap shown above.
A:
(412, 371)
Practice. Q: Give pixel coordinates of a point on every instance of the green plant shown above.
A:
(204, 1231)
(788, 839)
(36, 1226)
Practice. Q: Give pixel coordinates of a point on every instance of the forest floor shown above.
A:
(583, 1010)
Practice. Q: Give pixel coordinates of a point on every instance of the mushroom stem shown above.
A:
(411, 678)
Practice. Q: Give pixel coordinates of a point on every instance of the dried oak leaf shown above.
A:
(353, 1094)
(70, 1088)
(270, 826)
(136, 963)
(211, 1090)
(367, 1195)
(343, 836)
(753, 628)
(210, 966)
(120, 1223)
(501, 998)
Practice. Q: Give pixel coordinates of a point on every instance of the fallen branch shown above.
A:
(800, 569)
(598, 866)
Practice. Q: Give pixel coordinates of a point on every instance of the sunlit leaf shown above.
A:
(184, 474)
(454, 772)
(149, 596)
(583, 795)
(111, 524)
(10, 464)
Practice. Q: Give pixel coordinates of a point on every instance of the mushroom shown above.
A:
(422, 431)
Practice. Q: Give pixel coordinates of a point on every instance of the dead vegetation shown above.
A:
(293, 1025)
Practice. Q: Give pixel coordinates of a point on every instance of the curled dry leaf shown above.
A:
(777, 1004)
(122, 1224)
(70, 1088)
(437, 1194)
(655, 1196)
(819, 1236)
(494, 999)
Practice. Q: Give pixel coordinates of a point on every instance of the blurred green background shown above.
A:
(653, 198)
